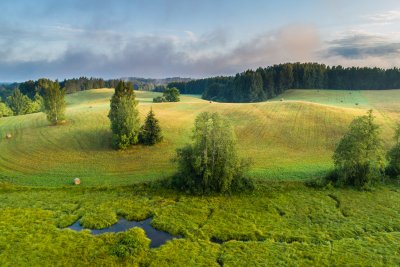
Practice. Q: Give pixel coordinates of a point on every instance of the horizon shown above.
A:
(160, 39)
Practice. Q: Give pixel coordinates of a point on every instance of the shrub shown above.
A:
(211, 163)
(358, 158)
(159, 99)
(131, 243)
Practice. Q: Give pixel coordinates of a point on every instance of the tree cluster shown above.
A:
(266, 83)
(125, 122)
(20, 104)
(169, 95)
(359, 157)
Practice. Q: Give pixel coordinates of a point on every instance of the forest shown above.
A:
(266, 83)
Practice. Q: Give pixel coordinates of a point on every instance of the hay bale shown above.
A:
(282, 99)
(77, 181)
(8, 136)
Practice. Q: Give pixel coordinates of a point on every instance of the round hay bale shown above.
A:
(282, 99)
(77, 181)
(8, 136)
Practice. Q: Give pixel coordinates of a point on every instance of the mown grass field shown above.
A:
(287, 140)
(283, 222)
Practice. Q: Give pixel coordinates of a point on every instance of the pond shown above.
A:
(157, 237)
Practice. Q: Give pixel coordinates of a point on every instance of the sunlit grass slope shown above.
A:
(290, 139)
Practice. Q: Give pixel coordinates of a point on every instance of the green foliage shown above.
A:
(279, 223)
(19, 103)
(150, 133)
(159, 99)
(393, 168)
(211, 163)
(5, 111)
(132, 243)
(36, 105)
(53, 101)
(171, 95)
(124, 116)
(358, 158)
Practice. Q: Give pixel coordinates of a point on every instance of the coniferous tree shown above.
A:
(124, 116)
(53, 102)
(150, 133)
(359, 158)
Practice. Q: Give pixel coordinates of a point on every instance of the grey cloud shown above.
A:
(361, 46)
(161, 56)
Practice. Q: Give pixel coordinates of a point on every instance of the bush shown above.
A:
(159, 99)
(358, 158)
(131, 243)
(211, 163)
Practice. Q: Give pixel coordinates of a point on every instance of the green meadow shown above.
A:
(286, 140)
(285, 221)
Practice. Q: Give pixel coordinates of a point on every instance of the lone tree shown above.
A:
(171, 95)
(210, 163)
(394, 156)
(54, 102)
(358, 158)
(150, 133)
(124, 116)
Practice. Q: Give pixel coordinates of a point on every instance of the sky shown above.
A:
(169, 38)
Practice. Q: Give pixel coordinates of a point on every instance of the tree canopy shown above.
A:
(359, 158)
(124, 116)
(266, 83)
(53, 100)
(210, 163)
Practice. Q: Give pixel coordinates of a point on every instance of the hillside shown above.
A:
(290, 139)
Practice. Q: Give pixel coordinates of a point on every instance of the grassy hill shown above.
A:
(287, 140)
(281, 223)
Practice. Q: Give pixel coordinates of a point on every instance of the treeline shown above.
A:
(265, 83)
(84, 83)
(148, 84)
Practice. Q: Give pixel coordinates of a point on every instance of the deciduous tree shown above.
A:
(359, 158)
(210, 163)
(53, 102)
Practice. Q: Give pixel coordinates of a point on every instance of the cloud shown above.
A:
(362, 46)
(65, 51)
(389, 16)
(113, 54)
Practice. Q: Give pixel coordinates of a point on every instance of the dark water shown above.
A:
(157, 237)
